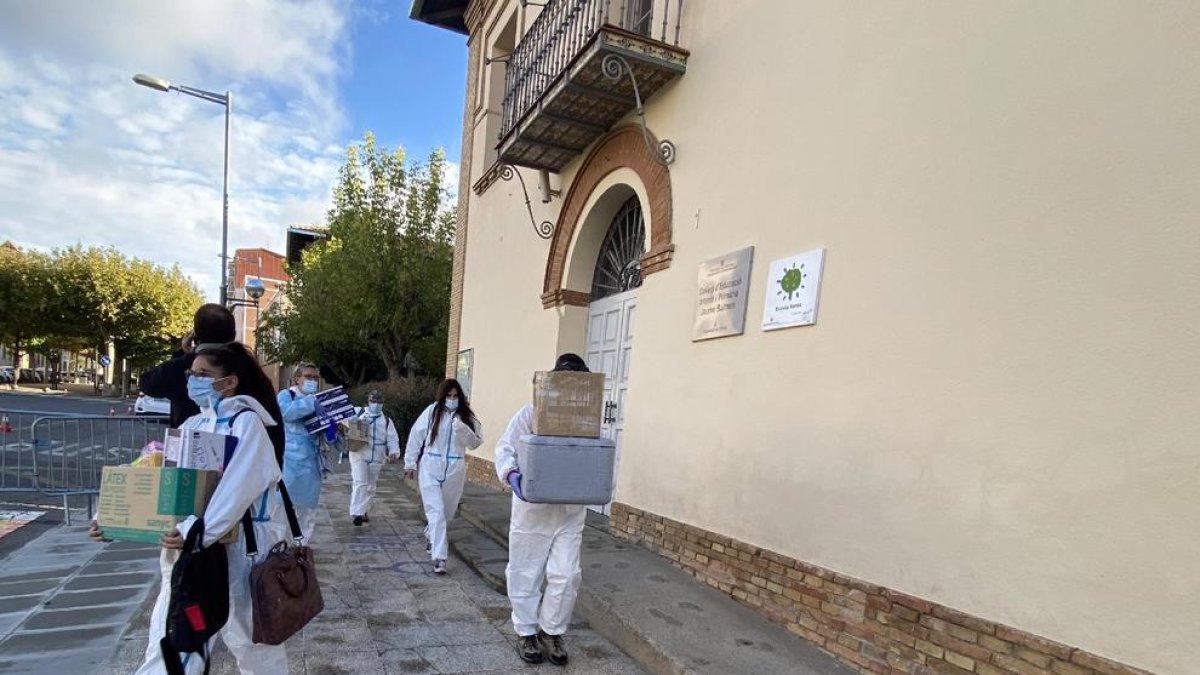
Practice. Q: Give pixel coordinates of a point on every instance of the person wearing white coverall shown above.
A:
(438, 442)
(302, 461)
(544, 542)
(248, 481)
(383, 445)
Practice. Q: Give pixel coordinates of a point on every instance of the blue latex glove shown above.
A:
(514, 479)
(331, 432)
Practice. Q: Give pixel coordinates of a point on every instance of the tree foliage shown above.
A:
(372, 298)
(80, 298)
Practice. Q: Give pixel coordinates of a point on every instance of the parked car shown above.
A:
(6, 374)
(148, 406)
(27, 376)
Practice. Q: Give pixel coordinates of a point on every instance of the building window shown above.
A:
(639, 15)
(495, 73)
(619, 266)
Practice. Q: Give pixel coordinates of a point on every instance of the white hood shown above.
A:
(229, 406)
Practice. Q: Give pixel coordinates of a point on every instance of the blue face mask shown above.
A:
(451, 404)
(308, 386)
(374, 408)
(201, 391)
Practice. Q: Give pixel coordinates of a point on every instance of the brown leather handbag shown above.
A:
(284, 590)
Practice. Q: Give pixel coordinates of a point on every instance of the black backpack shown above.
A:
(199, 605)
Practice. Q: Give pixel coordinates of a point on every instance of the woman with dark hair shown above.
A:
(235, 398)
(439, 441)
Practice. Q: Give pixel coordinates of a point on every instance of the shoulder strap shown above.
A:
(293, 522)
(248, 522)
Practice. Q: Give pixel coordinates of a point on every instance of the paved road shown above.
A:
(46, 444)
(73, 452)
(58, 404)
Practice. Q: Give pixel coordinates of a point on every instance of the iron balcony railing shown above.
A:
(562, 31)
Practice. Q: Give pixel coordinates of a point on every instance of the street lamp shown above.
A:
(159, 84)
(254, 290)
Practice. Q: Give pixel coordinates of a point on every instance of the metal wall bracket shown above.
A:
(546, 229)
(614, 66)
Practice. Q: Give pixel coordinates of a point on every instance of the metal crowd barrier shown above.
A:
(65, 455)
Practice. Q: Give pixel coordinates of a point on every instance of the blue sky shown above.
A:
(87, 156)
(407, 83)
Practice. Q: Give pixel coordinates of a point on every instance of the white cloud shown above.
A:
(88, 156)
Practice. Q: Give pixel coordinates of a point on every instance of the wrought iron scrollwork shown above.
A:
(614, 66)
(545, 230)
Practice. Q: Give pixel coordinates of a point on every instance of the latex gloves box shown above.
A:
(567, 403)
(141, 503)
(333, 405)
(566, 470)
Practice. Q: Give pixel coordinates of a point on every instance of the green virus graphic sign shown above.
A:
(792, 281)
(792, 291)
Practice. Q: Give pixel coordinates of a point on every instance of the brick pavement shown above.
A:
(387, 613)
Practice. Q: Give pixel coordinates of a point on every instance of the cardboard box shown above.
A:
(357, 435)
(566, 470)
(567, 404)
(140, 503)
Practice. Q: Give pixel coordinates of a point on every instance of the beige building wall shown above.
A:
(997, 409)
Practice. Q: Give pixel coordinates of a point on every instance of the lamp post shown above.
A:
(160, 84)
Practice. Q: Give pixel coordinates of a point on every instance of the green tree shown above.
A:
(80, 297)
(27, 297)
(375, 294)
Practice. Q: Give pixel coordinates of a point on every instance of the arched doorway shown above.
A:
(615, 282)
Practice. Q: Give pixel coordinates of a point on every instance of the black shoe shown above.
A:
(553, 646)
(358, 521)
(531, 649)
(366, 518)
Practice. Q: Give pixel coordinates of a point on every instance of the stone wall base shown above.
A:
(870, 627)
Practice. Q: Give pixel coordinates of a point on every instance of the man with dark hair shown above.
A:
(211, 325)
(544, 542)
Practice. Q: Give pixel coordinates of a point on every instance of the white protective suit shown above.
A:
(366, 463)
(248, 481)
(544, 542)
(443, 471)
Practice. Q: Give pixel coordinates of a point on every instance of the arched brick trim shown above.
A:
(624, 147)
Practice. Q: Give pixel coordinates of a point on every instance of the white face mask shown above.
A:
(308, 386)
(451, 404)
(374, 408)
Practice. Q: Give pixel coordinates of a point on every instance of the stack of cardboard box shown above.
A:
(565, 460)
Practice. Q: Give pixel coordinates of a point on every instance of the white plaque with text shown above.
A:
(723, 285)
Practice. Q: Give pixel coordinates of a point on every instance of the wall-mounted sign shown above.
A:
(793, 288)
(723, 284)
(462, 370)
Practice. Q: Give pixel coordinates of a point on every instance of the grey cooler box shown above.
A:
(566, 469)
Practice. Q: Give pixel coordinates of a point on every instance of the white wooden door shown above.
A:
(609, 345)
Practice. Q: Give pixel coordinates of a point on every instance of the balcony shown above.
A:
(558, 98)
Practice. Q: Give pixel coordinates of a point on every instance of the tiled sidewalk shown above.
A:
(65, 599)
(386, 612)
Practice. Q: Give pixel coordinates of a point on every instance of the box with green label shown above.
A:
(141, 503)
